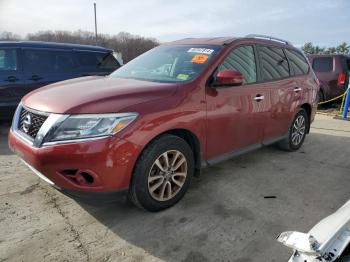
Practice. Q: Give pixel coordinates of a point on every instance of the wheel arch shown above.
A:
(190, 138)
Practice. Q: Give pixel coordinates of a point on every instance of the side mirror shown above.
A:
(228, 78)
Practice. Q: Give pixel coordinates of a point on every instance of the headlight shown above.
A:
(89, 126)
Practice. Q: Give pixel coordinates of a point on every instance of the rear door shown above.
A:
(95, 63)
(324, 68)
(283, 91)
(236, 115)
(46, 66)
(12, 84)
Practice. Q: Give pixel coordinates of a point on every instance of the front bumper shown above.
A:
(109, 160)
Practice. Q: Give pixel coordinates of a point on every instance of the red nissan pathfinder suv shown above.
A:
(147, 128)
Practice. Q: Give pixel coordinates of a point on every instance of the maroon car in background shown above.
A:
(333, 73)
(147, 128)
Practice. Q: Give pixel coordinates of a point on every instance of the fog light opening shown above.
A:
(89, 179)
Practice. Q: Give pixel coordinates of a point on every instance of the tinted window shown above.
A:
(274, 63)
(323, 64)
(108, 62)
(48, 61)
(62, 61)
(298, 62)
(8, 59)
(36, 60)
(97, 60)
(348, 64)
(241, 59)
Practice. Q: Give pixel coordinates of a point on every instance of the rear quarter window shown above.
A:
(323, 64)
(298, 62)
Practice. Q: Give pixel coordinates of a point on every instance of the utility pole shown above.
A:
(95, 24)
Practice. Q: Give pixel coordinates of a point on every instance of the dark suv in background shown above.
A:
(333, 73)
(25, 66)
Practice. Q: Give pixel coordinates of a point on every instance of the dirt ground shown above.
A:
(223, 217)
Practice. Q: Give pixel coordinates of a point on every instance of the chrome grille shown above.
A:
(30, 123)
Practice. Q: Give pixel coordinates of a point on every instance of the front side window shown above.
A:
(274, 63)
(241, 59)
(169, 63)
(323, 64)
(108, 61)
(8, 59)
(297, 62)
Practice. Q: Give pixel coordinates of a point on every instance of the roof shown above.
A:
(327, 55)
(229, 39)
(204, 41)
(52, 45)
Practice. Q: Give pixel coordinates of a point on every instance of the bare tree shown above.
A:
(8, 36)
(129, 45)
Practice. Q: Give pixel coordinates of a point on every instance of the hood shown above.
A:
(96, 94)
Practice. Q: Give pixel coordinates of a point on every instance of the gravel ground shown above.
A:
(223, 217)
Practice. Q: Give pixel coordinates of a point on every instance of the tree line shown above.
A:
(309, 48)
(130, 46)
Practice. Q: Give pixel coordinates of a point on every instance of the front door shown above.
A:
(236, 114)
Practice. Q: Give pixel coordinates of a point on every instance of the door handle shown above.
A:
(35, 78)
(11, 79)
(259, 98)
(297, 89)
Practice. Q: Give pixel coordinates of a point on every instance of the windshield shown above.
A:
(169, 63)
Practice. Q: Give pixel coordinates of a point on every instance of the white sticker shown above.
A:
(201, 51)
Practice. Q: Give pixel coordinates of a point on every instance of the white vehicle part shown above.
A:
(326, 241)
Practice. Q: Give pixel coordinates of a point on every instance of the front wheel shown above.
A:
(162, 173)
(297, 132)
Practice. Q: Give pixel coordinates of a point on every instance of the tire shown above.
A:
(150, 187)
(295, 139)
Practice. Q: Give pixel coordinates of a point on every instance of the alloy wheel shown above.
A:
(167, 175)
(298, 131)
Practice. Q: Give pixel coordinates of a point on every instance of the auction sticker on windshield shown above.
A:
(201, 51)
(199, 59)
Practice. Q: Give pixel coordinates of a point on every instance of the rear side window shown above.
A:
(62, 61)
(97, 60)
(48, 61)
(274, 63)
(36, 60)
(298, 62)
(8, 59)
(241, 59)
(323, 64)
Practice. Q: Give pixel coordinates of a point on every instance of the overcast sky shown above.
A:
(323, 22)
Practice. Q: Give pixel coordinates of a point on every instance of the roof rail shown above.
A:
(269, 38)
